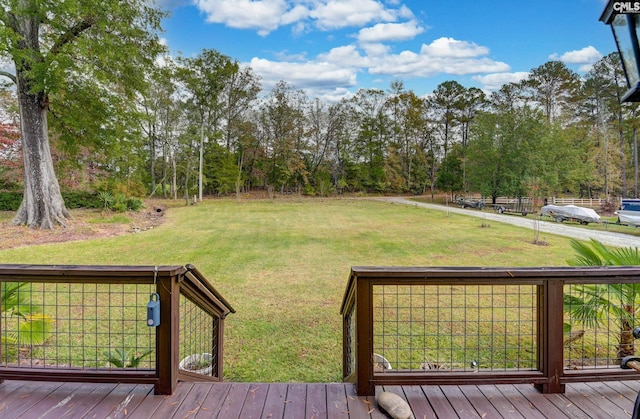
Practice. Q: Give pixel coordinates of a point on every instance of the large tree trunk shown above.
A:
(42, 205)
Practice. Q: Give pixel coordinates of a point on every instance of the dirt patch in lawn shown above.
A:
(83, 225)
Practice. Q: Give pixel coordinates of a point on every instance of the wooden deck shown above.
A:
(21, 399)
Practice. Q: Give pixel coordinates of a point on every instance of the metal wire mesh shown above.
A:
(454, 328)
(76, 326)
(350, 336)
(198, 339)
(599, 320)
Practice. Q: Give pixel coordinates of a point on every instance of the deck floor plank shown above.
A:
(275, 401)
(459, 402)
(591, 404)
(254, 402)
(524, 407)
(226, 400)
(483, 406)
(296, 401)
(161, 406)
(85, 398)
(193, 400)
(113, 402)
(439, 402)
(418, 402)
(569, 408)
(540, 401)
(337, 407)
(212, 403)
(374, 409)
(501, 403)
(232, 405)
(622, 390)
(24, 399)
(54, 402)
(608, 393)
(358, 407)
(316, 401)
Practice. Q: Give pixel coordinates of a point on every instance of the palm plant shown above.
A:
(121, 359)
(30, 327)
(594, 304)
(107, 199)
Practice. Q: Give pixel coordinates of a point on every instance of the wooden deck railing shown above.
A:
(89, 324)
(415, 325)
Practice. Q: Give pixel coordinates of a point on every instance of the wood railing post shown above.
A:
(550, 334)
(167, 334)
(364, 338)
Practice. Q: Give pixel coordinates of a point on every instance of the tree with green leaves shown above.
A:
(502, 145)
(63, 50)
(597, 304)
(446, 108)
(367, 109)
(553, 86)
(283, 123)
(205, 78)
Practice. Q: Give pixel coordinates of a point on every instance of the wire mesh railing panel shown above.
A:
(598, 323)
(432, 328)
(350, 345)
(198, 339)
(76, 326)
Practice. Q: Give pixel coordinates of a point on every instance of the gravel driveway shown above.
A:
(606, 237)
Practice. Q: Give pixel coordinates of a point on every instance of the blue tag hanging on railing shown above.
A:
(153, 310)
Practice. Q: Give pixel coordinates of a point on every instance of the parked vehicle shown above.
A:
(520, 207)
(571, 213)
(631, 218)
(629, 212)
(464, 203)
(630, 205)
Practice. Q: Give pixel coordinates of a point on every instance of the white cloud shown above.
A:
(265, 16)
(340, 66)
(345, 56)
(390, 32)
(442, 56)
(588, 55)
(449, 47)
(493, 82)
(334, 14)
(303, 75)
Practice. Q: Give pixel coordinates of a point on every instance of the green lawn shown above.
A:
(283, 265)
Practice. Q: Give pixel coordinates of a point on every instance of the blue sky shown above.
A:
(331, 48)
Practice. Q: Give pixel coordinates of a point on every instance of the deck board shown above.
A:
(458, 401)
(316, 401)
(23, 399)
(483, 406)
(210, 406)
(274, 404)
(502, 404)
(592, 403)
(295, 403)
(337, 402)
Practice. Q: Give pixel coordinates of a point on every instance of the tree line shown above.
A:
(155, 126)
(206, 129)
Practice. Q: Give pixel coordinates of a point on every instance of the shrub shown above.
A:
(74, 200)
(119, 203)
(134, 204)
(10, 201)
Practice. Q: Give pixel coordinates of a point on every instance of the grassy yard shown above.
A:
(283, 265)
